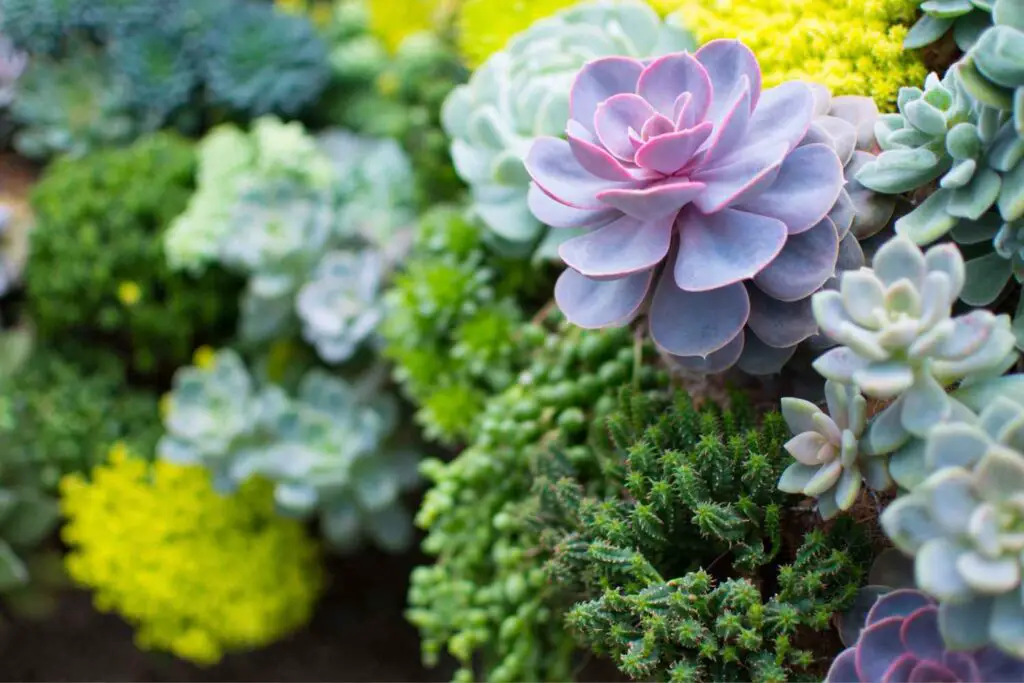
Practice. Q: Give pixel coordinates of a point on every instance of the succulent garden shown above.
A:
(480, 340)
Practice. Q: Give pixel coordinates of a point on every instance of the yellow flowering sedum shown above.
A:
(199, 574)
(394, 20)
(486, 25)
(852, 46)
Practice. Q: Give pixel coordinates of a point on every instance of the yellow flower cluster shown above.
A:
(852, 46)
(486, 25)
(394, 20)
(199, 574)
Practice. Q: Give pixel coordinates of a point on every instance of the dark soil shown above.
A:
(358, 634)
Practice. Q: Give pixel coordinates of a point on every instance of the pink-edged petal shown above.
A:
(696, 323)
(719, 361)
(723, 248)
(844, 668)
(882, 641)
(597, 161)
(919, 632)
(900, 670)
(783, 114)
(655, 126)
(760, 359)
(686, 112)
(780, 324)
(931, 672)
(553, 166)
(963, 666)
(669, 153)
(731, 128)
(898, 603)
(597, 81)
(739, 176)
(725, 61)
(615, 117)
(666, 78)
(550, 211)
(805, 190)
(624, 246)
(654, 201)
(601, 303)
(806, 262)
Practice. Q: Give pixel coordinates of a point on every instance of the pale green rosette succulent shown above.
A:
(898, 340)
(829, 465)
(339, 307)
(522, 93)
(964, 525)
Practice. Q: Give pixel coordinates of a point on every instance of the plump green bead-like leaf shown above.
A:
(929, 221)
(936, 572)
(901, 170)
(965, 625)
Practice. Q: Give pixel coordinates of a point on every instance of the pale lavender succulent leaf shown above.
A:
(884, 380)
(758, 358)
(724, 248)
(779, 324)
(615, 117)
(805, 263)
(848, 488)
(862, 298)
(658, 124)
(951, 500)
(552, 212)
(739, 177)
(898, 603)
(669, 153)
(653, 201)
(666, 77)
(696, 323)
(597, 81)
(881, 640)
(838, 134)
(989, 575)
(597, 161)
(554, 167)
(722, 359)
(600, 303)
(824, 479)
(844, 668)
(804, 191)
(783, 115)
(799, 415)
(947, 259)
(954, 445)
(624, 246)
(936, 572)
(795, 477)
(862, 112)
(899, 259)
(731, 129)
(725, 62)
(806, 448)
(925, 404)
(1000, 475)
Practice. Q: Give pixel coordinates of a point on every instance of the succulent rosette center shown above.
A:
(685, 161)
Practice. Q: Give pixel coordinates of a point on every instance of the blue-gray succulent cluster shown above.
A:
(325, 448)
(522, 93)
(966, 19)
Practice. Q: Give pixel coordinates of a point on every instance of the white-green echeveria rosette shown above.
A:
(898, 339)
(339, 306)
(522, 93)
(964, 526)
(829, 465)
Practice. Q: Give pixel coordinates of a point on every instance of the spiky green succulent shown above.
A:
(965, 527)
(899, 341)
(829, 464)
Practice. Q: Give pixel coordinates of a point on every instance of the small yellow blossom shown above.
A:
(204, 358)
(852, 46)
(394, 20)
(199, 574)
(129, 293)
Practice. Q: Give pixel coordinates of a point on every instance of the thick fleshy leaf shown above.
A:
(554, 167)
(799, 415)
(597, 81)
(783, 115)
(986, 279)
(843, 213)
(885, 380)
(919, 632)
(596, 160)
(878, 648)
(550, 211)
(724, 248)
(860, 111)
(987, 575)
(936, 572)
(964, 624)
(848, 488)
(1007, 625)
(1000, 475)
(669, 153)
(794, 478)
(806, 262)
(954, 445)
(810, 448)
(624, 246)
(872, 209)
(665, 78)
(725, 62)
(805, 190)
(843, 668)
(656, 126)
(777, 323)
(899, 259)
(925, 404)
(696, 323)
(615, 117)
(909, 524)
(898, 603)
(929, 221)
(737, 177)
(951, 499)
(730, 130)
(601, 303)
(926, 31)
(839, 365)
(886, 432)
(759, 359)
(824, 479)
(509, 218)
(654, 201)
(719, 361)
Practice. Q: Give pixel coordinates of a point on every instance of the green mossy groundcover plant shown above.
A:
(97, 272)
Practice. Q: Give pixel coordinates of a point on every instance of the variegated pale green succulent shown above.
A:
(964, 525)
(829, 465)
(899, 341)
(522, 93)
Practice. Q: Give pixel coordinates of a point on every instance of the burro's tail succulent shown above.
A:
(704, 200)
(898, 340)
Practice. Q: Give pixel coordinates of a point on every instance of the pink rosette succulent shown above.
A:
(705, 203)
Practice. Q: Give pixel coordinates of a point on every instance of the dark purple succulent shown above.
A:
(901, 643)
(705, 203)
